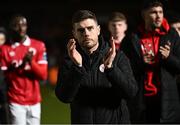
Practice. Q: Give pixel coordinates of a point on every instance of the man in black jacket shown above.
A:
(93, 78)
(154, 53)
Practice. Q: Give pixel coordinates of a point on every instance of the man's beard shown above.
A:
(154, 26)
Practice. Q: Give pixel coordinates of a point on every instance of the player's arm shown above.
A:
(3, 62)
(40, 70)
(172, 60)
(39, 66)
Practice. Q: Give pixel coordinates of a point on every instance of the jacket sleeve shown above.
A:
(173, 61)
(69, 79)
(122, 77)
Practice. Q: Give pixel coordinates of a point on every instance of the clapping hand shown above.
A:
(165, 51)
(110, 55)
(28, 57)
(73, 53)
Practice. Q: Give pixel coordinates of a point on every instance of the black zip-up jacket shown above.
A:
(95, 96)
(168, 70)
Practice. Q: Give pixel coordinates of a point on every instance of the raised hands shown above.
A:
(165, 51)
(73, 53)
(110, 55)
(28, 57)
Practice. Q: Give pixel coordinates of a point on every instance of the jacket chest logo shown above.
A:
(102, 67)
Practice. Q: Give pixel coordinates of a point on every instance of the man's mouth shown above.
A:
(158, 21)
(87, 40)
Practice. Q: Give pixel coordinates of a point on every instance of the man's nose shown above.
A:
(86, 32)
(158, 15)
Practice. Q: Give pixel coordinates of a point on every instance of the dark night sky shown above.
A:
(51, 20)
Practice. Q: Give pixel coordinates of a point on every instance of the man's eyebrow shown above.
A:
(89, 27)
(80, 29)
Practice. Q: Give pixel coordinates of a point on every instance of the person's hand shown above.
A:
(149, 58)
(21, 64)
(110, 55)
(12, 66)
(165, 51)
(73, 53)
(28, 57)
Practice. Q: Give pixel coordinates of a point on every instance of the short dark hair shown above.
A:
(117, 16)
(151, 3)
(82, 15)
(14, 18)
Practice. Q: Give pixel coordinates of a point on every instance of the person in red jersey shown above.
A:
(24, 63)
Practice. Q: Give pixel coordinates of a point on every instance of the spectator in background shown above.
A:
(176, 25)
(3, 34)
(154, 53)
(24, 63)
(93, 78)
(174, 20)
(4, 110)
(117, 26)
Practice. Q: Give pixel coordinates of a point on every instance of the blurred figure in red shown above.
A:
(4, 110)
(24, 63)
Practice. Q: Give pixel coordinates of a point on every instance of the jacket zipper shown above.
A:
(92, 83)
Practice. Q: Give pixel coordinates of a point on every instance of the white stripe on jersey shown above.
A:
(42, 62)
(3, 68)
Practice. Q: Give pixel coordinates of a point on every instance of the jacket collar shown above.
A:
(159, 31)
(142, 33)
(27, 42)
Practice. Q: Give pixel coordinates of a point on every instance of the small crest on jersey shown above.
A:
(102, 67)
(12, 53)
(33, 50)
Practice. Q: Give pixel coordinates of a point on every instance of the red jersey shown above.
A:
(23, 82)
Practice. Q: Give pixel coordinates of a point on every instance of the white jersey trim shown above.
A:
(42, 62)
(3, 68)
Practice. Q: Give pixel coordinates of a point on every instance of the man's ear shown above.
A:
(126, 26)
